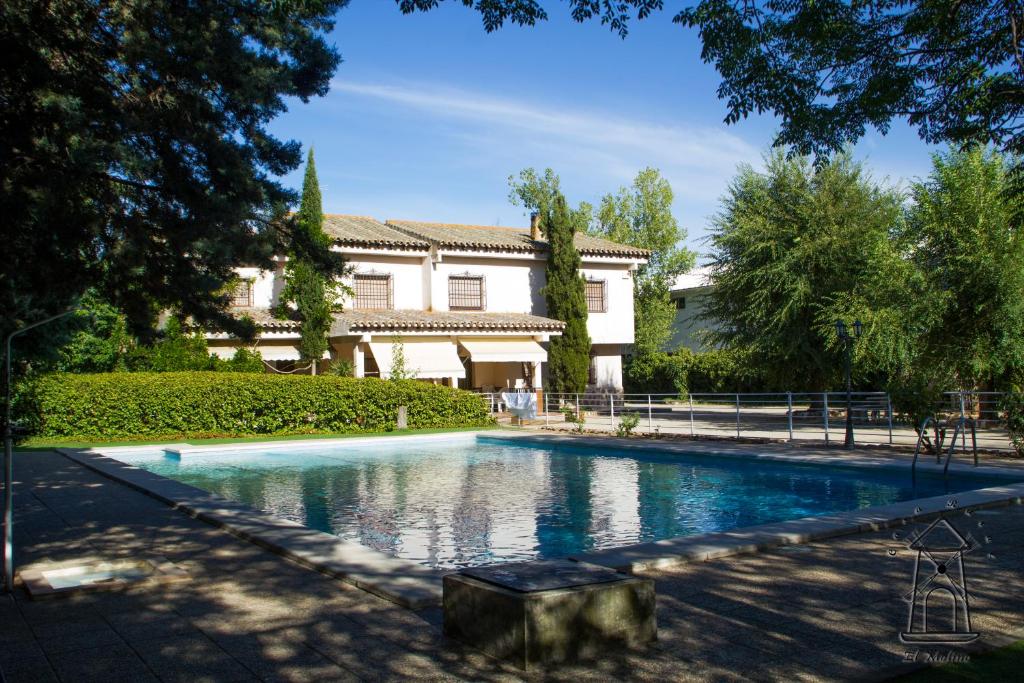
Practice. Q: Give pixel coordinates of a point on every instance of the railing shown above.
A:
(782, 416)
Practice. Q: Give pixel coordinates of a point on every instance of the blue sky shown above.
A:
(428, 115)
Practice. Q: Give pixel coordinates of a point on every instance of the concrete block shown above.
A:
(572, 616)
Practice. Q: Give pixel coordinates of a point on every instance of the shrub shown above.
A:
(1013, 407)
(191, 404)
(685, 371)
(627, 423)
(575, 416)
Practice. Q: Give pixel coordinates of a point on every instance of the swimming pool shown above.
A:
(470, 500)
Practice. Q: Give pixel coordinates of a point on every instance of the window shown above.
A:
(242, 296)
(466, 293)
(596, 301)
(680, 303)
(373, 291)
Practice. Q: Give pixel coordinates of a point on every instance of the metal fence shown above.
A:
(790, 416)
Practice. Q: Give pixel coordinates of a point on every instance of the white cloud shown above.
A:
(699, 161)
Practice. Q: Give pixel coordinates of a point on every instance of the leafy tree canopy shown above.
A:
(796, 247)
(641, 216)
(100, 342)
(135, 156)
(970, 250)
(537, 192)
(830, 69)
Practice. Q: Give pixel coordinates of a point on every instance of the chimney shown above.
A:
(535, 226)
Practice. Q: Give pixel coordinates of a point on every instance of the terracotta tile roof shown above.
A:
(448, 321)
(486, 237)
(265, 319)
(362, 231)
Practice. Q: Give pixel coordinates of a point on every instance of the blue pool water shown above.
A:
(469, 500)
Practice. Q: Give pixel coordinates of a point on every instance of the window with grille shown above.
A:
(242, 296)
(466, 293)
(596, 300)
(680, 303)
(373, 290)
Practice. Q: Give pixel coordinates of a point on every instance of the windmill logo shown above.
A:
(939, 609)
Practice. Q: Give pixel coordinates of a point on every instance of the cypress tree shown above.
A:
(312, 294)
(565, 293)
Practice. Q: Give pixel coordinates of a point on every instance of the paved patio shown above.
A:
(827, 610)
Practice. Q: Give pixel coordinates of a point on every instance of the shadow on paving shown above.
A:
(827, 610)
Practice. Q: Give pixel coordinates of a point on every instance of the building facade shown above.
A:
(689, 295)
(465, 304)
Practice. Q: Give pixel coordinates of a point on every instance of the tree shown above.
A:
(537, 192)
(795, 248)
(564, 292)
(829, 70)
(135, 155)
(641, 216)
(971, 250)
(313, 294)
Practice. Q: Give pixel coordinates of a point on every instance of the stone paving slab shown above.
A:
(830, 609)
(401, 581)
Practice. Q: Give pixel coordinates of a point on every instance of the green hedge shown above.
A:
(685, 371)
(195, 404)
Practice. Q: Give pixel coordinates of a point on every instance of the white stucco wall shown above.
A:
(607, 364)
(266, 285)
(512, 285)
(615, 325)
(406, 274)
(688, 322)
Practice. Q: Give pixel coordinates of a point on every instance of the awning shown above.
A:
(423, 359)
(282, 352)
(504, 351)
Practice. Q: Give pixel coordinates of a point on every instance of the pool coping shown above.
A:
(414, 586)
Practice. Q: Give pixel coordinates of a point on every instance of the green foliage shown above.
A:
(244, 360)
(627, 424)
(794, 249)
(684, 371)
(138, 158)
(641, 216)
(176, 351)
(100, 342)
(195, 404)
(399, 371)
(969, 249)
(343, 368)
(537, 192)
(568, 353)
(1012, 407)
(310, 296)
(575, 416)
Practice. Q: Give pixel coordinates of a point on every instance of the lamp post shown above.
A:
(9, 451)
(843, 334)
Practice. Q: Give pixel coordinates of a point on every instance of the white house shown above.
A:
(465, 302)
(689, 294)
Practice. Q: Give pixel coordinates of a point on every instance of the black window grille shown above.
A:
(596, 300)
(242, 296)
(373, 291)
(680, 303)
(466, 293)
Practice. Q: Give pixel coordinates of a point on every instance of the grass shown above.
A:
(1003, 664)
(36, 443)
